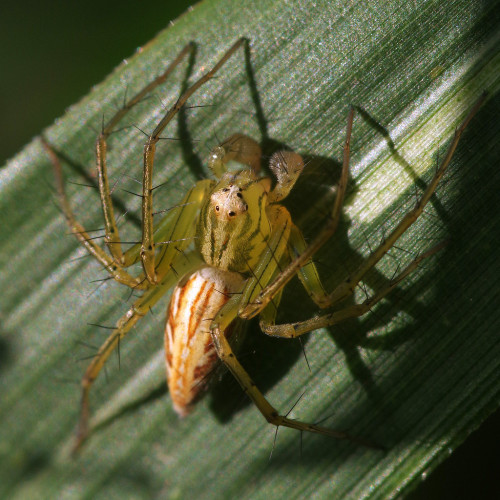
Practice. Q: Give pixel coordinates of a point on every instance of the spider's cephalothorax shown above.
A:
(247, 249)
(234, 226)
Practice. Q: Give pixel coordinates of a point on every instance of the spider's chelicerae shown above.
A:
(246, 249)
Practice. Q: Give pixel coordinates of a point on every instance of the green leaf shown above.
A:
(418, 375)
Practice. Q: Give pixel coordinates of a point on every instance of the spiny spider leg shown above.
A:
(226, 354)
(112, 237)
(148, 244)
(116, 271)
(348, 286)
(255, 306)
(292, 330)
(115, 263)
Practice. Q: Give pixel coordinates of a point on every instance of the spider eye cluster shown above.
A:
(229, 202)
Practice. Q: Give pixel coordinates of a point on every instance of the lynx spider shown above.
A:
(247, 250)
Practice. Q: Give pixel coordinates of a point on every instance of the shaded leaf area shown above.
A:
(418, 374)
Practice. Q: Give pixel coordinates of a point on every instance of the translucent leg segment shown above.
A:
(239, 148)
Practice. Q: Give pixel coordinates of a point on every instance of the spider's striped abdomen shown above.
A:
(189, 351)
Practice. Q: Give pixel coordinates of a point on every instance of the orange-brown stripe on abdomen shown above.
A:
(189, 352)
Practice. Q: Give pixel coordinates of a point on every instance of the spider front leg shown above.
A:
(347, 287)
(112, 237)
(116, 271)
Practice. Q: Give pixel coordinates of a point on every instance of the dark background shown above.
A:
(51, 53)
